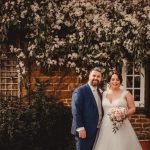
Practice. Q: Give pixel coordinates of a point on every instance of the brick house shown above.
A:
(62, 83)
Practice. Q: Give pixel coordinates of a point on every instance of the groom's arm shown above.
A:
(77, 111)
(77, 108)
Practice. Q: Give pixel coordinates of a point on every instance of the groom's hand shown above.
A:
(82, 134)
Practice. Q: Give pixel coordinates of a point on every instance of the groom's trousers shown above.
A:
(84, 144)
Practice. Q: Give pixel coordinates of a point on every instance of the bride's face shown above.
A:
(115, 82)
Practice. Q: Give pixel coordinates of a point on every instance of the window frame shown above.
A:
(141, 103)
(18, 77)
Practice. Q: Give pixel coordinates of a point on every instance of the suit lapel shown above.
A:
(91, 95)
(99, 93)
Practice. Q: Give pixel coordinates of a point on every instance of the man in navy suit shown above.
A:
(87, 111)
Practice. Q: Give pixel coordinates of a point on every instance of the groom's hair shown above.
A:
(96, 69)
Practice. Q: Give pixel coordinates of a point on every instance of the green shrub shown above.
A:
(42, 125)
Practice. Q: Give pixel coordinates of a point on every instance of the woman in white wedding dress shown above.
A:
(125, 137)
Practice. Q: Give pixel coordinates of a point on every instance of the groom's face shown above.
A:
(95, 78)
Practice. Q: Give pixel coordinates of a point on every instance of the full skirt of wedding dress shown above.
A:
(124, 138)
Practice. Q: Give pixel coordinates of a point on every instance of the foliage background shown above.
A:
(43, 125)
(76, 34)
(70, 34)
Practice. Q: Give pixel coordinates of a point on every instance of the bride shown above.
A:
(116, 132)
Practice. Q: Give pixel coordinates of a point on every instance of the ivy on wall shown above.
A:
(77, 34)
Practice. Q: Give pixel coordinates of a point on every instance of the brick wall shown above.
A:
(62, 84)
(141, 125)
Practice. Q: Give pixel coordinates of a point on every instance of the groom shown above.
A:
(87, 111)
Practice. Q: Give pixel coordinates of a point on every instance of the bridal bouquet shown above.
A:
(117, 116)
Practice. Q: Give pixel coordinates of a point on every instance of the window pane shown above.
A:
(129, 82)
(3, 92)
(15, 86)
(2, 86)
(3, 80)
(137, 82)
(129, 68)
(3, 73)
(9, 80)
(14, 93)
(134, 81)
(8, 93)
(137, 95)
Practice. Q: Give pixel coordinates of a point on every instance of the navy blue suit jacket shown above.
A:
(84, 111)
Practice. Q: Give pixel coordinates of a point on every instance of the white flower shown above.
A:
(21, 55)
(61, 61)
(37, 18)
(37, 63)
(12, 48)
(96, 47)
(117, 29)
(72, 64)
(77, 70)
(31, 47)
(18, 1)
(23, 13)
(35, 7)
(23, 71)
(12, 3)
(54, 62)
(49, 6)
(6, 5)
(67, 23)
(21, 64)
(81, 34)
(51, 62)
(78, 12)
(96, 17)
(31, 53)
(117, 117)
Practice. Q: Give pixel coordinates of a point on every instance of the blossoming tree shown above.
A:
(77, 34)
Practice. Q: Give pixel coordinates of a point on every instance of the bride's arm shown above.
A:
(130, 104)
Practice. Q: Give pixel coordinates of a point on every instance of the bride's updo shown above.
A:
(112, 73)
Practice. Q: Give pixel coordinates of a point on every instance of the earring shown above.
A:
(108, 87)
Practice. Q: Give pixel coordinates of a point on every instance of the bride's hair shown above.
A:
(112, 73)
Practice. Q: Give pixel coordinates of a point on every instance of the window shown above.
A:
(9, 79)
(133, 80)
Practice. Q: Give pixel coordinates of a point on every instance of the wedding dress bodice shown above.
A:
(118, 102)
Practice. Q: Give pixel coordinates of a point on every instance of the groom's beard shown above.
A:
(95, 83)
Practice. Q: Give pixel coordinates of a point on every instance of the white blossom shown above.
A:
(37, 63)
(35, 7)
(21, 55)
(23, 14)
(37, 18)
(21, 64)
